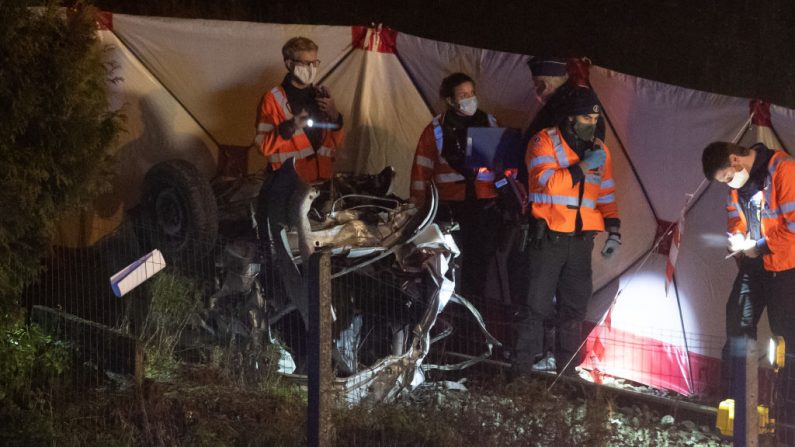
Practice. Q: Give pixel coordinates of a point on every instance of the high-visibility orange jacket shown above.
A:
(430, 166)
(310, 165)
(555, 199)
(777, 215)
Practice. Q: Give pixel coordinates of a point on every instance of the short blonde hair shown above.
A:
(297, 44)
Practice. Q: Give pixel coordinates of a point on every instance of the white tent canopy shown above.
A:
(191, 85)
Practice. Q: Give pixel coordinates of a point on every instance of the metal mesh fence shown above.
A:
(229, 304)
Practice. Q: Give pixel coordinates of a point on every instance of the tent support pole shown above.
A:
(693, 200)
(629, 161)
(684, 332)
(165, 87)
(335, 66)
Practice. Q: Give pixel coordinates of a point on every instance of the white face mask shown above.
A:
(468, 106)
(306, 75)
(739, 179)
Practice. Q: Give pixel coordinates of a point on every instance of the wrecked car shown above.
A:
(391, 270)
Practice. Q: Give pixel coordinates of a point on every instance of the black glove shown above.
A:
(539, 228)
(611, 245)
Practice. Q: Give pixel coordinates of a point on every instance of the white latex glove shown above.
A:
(736, 242)
(751, 250)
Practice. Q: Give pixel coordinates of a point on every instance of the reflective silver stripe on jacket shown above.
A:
(448, 178)
(544, 178)
(560, 200)
(771, 169)
(280, 98)
(281, 157)
(786, 207)
(593, 179)
(424, 162)
(607, 198)
(555, 200)
(541, 159)
(560, 152)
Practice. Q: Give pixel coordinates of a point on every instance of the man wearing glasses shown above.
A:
(299, 120)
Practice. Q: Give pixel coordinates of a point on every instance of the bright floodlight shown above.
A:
(776, 352)
(310, 122)
(771, 352)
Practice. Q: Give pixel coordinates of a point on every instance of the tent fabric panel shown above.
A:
(384, 98)
(664, 128)
(642, 307)
(783, 120)
(637, 219)
(156, 128)
(761, 134)
(220, 69)
(703, 277)
(657, 364)
(385, 116)
(642, 339)
(503, 84)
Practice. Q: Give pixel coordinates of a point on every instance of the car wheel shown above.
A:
(180, 212)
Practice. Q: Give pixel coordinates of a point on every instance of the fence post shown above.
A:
(751, 394)
(746, 418)
(318, 276)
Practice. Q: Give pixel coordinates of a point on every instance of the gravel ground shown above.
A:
(526, 412)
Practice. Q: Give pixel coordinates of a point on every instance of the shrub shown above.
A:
(30, 363)
(55, 132)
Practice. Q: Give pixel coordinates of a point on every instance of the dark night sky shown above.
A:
(734, 47)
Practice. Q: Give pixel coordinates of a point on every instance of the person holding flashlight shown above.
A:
(761, 236)
(298, 119)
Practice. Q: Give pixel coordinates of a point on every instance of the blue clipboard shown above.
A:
(488, 145)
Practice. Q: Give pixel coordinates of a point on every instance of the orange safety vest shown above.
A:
(430, 166)
(550, 187)
(310, 165)
(777, 213)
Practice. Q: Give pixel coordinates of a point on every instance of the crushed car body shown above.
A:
(392, 277)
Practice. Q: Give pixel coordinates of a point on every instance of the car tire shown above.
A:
(179, 212)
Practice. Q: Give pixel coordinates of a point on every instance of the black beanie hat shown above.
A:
(583, 101)
(547, 66)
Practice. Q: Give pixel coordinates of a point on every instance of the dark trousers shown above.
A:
(517, 261)
(747, 300)
(560, 267)
(477, 239)
(781, 306)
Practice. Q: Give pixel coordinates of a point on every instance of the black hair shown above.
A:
(451, 82)
(716, 157)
